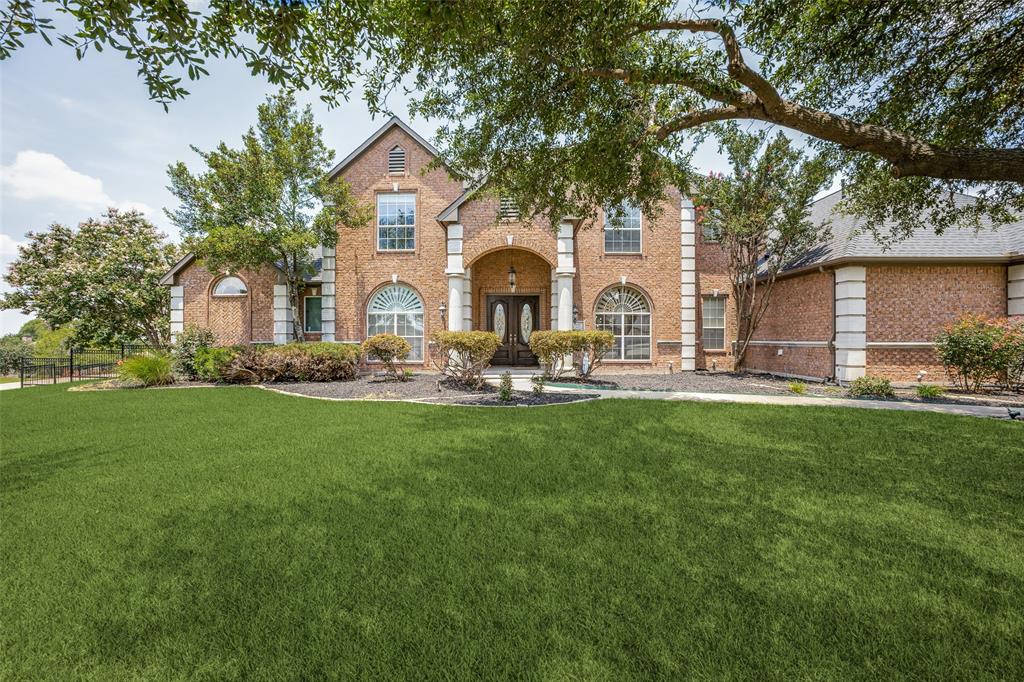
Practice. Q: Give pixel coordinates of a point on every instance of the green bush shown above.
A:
(968, 350)
(929, 391)
(797, 387)
(390, 350)
(1009, 354)
(505, 388)
(12, 351)
(871, 387)
(210, 363)
(538, 385)
(151, 369)
(552, 348)
(291, 362)
(464, 356)
(191, 340)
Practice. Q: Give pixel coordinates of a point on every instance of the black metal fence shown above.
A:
(87, 363)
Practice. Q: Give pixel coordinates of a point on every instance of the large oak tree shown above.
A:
(570, 102)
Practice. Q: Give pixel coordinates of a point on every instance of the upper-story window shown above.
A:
(396, 161)
(507, 209)
(710, 233)
(622, 229)
(229, 286)
(396, 222)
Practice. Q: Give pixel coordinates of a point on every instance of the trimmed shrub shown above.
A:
(211, 363)
(538, 385)
(505, 388)
(390, 350)
(150, 369)
(463, 356)
(967, 349)
(191, 339)
(797, 387)
(929, 391)
(1009, 354)
(292, 362)
(871, 387)
(586, 348)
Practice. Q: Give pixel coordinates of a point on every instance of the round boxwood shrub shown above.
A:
(464, 356)
(390, 350)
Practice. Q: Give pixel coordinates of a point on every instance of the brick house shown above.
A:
(442, 256)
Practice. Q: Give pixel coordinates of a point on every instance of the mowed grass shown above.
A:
(241, 534)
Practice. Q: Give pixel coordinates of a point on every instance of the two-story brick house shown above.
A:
(441, 256)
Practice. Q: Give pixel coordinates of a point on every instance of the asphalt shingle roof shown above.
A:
(850, 239)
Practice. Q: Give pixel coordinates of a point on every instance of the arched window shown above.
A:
(397, 309)
(230, 286)
(625, 312)
(396, 161)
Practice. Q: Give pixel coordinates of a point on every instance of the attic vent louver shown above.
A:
(508, 209)
(396, 161)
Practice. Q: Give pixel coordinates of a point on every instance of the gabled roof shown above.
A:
(451, 211)
(168, 278)
(392, 123)
(852, 241)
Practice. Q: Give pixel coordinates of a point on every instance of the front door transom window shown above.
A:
(398, 310)
(625, 312)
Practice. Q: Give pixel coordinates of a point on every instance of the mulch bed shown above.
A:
(424, 387)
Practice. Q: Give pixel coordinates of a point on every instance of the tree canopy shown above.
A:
(98, 284)
(269, 202)
(567, 103)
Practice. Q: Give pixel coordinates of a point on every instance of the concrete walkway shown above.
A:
(9, 385)
(521, 382)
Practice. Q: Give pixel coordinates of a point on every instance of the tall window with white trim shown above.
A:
(397, 309)
(625, 312)
(312, 314)
(396, 222)
(713, 313)
(622, 229)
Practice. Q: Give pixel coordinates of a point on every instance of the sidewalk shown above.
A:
(521, 382)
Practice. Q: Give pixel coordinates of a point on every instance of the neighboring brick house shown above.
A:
(850, 307)
(439, 255)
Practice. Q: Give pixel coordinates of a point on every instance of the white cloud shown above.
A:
(36, 176)
(9, 246)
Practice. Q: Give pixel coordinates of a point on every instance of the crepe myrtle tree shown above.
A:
(760, 213)
(100, 283)
(566, 104)
(269, 202)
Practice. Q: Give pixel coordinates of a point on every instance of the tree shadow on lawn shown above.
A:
(492, 556)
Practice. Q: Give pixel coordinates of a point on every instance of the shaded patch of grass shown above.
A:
(236, 533)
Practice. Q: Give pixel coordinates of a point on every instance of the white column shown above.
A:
(327, 293)
(688, 286)
(282, 314)
(467, 301)
(564, 273)
(456, 278)
(554, 299)
(851, 322)
(177, 312)
(1015, 290)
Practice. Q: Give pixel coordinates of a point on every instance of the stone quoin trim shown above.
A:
(851, 322)
(328, 302)
(1015, 290)
(688, 287)
(282, 315)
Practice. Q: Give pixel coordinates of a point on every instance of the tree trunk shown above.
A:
(294, 290)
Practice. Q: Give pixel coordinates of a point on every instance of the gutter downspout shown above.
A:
(832, 338)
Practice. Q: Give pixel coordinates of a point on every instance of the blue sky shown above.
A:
(78, 136)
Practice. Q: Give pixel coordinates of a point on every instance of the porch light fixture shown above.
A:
(442, 309)
(511, 272)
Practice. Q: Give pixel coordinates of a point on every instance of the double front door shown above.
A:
(513, 319)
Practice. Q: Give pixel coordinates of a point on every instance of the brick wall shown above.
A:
(800, 310)
(909, 303)
(361, 268)
(655, 271)
(235, 319)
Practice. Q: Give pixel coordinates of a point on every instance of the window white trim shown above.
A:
(305, 315)
(622, 308)
(633, 223)
(406, 229)
(705, 326)
(228, 278)
(394, 309)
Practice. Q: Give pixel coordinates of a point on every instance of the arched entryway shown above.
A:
(511, 290)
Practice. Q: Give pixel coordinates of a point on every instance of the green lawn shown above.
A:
(237, 533)
(9, 380)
